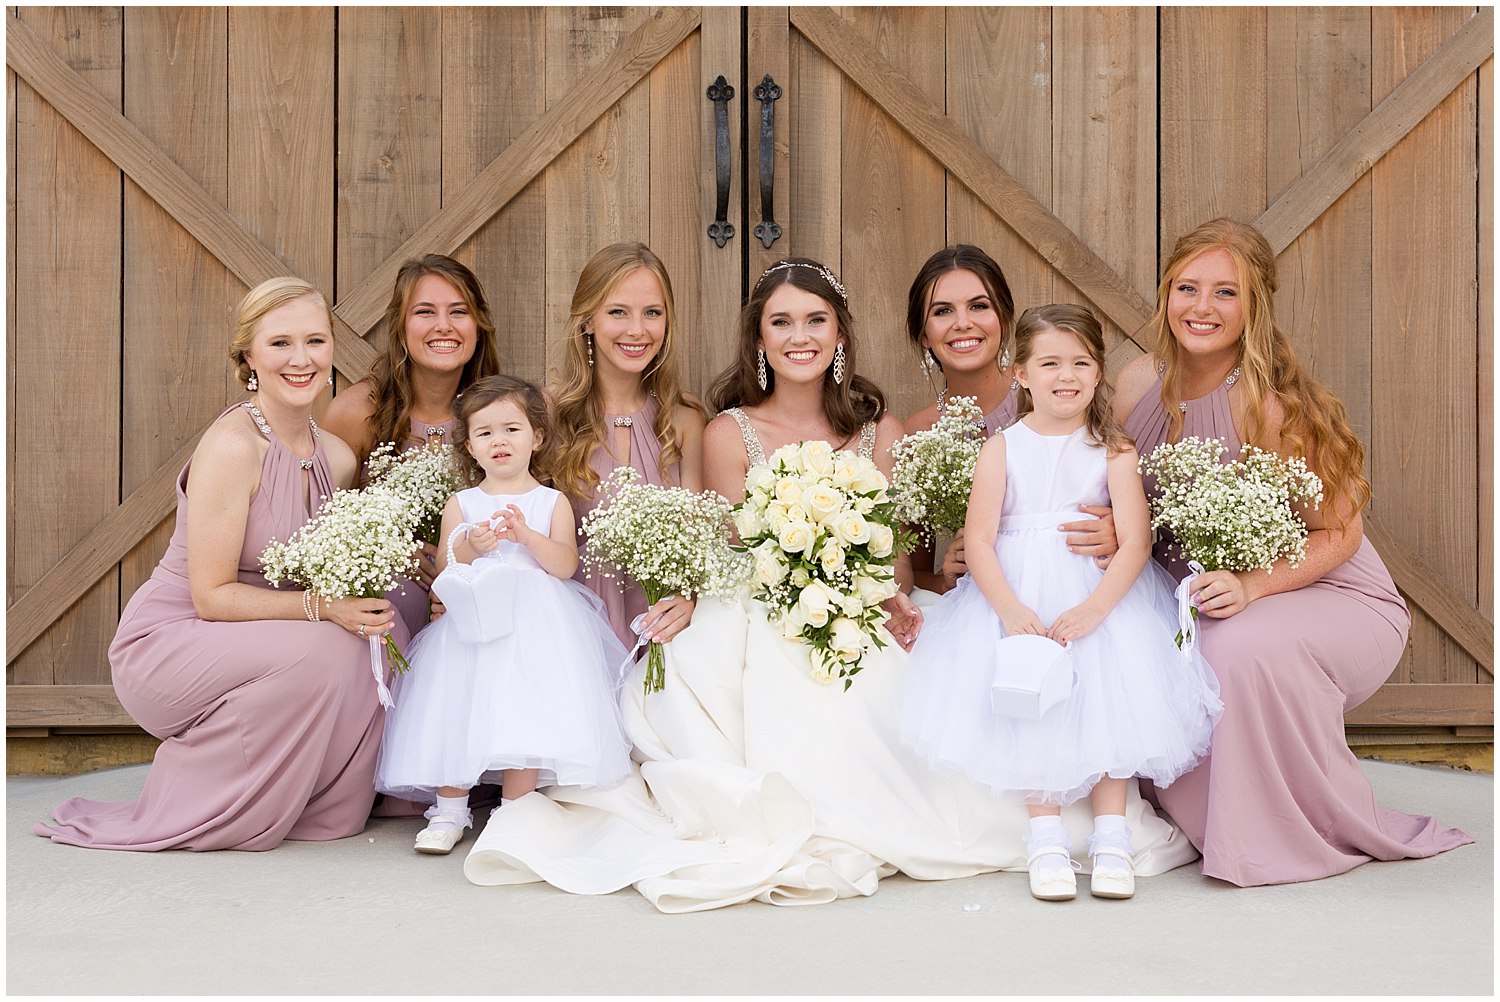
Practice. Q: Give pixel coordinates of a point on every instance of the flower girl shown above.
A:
(538, 704)
(1139, 706)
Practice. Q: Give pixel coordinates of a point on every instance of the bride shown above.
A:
(755, 781)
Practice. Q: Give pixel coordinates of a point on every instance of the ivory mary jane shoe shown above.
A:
(1052, 883)
(1113, 882)
(439, 837)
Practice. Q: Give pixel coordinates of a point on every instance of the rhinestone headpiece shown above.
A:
(827, 275)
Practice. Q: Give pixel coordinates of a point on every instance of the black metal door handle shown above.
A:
(721, 93)
(767, 92)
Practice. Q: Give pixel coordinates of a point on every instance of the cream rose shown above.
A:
(873, 591)
(788, 489)
(850, 526)
(769, 568)
(870, 479)
(831, 557)
(817, 458)
(760, 478)
(847, 640)
(797, 537)
(821, 501)
(882, 540)
(845, 471)
(813, 604)
(748, 523)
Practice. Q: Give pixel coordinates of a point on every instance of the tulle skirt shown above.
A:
(1139, 707)
(545, 697)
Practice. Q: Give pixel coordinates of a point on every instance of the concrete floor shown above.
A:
(366, 915)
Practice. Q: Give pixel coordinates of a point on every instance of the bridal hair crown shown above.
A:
(827, 275)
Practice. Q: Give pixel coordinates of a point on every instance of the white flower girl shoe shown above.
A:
(1049, 880)
(1115, 878)
(442, 833)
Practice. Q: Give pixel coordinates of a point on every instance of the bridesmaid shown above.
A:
(262, 698)
(439, 339)
(960, 316)
(618, 403)
(1281, 797)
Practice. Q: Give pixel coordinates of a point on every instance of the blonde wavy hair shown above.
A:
(269, 295)
(578, 413)
(1315, 423)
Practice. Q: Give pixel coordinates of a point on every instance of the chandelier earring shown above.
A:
(252, 384)
(1005, 359)
(588, 339)
(838, 364)
(760, 368)
(929, 363)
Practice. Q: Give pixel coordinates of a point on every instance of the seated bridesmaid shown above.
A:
(619, 403)
(439, 339)
(263, 698)
(960, 315)
(1281, 798)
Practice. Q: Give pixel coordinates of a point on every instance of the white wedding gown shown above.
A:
(755, 782)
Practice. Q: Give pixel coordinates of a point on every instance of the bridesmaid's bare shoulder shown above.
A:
(922, 419)
(348, 416)
(1132, 385)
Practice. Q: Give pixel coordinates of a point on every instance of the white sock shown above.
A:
(1048, 830)
(1110, 830)
(451, 811)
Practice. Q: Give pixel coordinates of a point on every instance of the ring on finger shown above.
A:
(361, 630)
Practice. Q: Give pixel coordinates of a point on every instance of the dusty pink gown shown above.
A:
(410, 598)
(624, 601)
(269, 729)
(1281, 798)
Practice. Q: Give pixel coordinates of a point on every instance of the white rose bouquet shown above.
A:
(670, 540)
(820, 529)
(934, 470)
(1235, 516)
(426, 476)
(356, 545)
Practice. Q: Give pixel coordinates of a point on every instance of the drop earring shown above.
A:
(929, 363)
(838, 364)
(1005, 359)
(760, 368)
(330, 379)
(589, 339)
(252, 384)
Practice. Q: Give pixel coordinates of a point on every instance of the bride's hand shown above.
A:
(668, 617)
(906, 619)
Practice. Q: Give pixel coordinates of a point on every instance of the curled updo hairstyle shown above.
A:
(269, 295)
(492, 389)
(580, 415)
(1082, 324)
(847, 406)
(958, 257)
(390, 376)
(1315, 423)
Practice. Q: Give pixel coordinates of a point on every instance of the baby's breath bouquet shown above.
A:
(357, 545)
(1234, 516)
(426, 476)
(934, 470)
(670, 540)
(821, 529)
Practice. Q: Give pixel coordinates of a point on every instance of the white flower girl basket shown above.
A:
(478, 597)
(1032, 675)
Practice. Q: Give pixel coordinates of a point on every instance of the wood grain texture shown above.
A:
(1423, 455)
(1104, 145)
(66, 434)
(1415, 705)
(1485, 252)
(597, 191)
(1000, 93)
(1318, 89)
(815, 153)
(926, 123)
(390, 141)
(493, 93)
(1407, 104)
(1213, 123)
(175, 368)
(64, 705)
(1446, 606)
(893, 198)
(574, 104)
(769, 51)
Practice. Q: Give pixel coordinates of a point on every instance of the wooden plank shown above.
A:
(1451, 610)
(1000, 92)
(1104, 143)
(926, 123)
(815, 154)
(1213, 123)
(575, 105)
(65, 433)
(1486, 331)
(893, 196)
(93, 556)
(157, 174)
(1423, 460)
(1409, 705)
(281, 80)
(390, 139)
(492, 94)
(768, 48)
(597, 190)
(175, 370)
(1407, 104)
(58, 705)
(1318, 89)
(12, 87)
